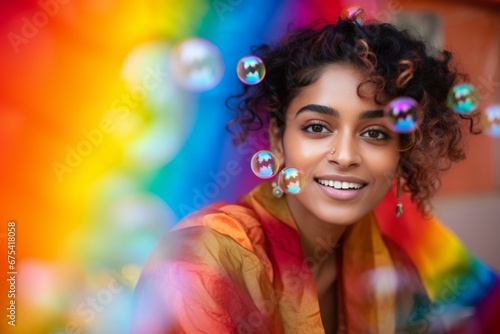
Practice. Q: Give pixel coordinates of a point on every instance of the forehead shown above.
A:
(338, 86)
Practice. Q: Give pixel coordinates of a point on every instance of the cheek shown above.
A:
(303, 153)
(384, 167)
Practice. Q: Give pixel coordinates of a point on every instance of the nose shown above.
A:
(345, 151)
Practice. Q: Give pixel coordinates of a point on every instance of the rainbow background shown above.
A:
(97, 163)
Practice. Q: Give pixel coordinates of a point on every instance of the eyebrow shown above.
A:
(379, 113)
(319, 109)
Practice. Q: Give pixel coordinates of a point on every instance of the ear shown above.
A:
(276, 141)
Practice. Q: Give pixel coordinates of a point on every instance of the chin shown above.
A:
(343, 214)
(344, 218)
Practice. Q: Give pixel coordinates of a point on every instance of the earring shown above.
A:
(277, 192)
(399, 204)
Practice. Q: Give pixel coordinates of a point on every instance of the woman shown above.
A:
(336, 257)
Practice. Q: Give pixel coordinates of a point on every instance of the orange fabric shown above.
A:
(240, 269)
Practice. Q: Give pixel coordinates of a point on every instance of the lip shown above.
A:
(341, 194)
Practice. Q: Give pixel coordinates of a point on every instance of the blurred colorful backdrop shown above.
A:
(112, 117)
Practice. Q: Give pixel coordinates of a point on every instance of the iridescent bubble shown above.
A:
(403, 114)
(383, 281)
(264, 164)
(197, 64)
(492, 120)
(463, 98)
(292, 180)
(251, 70)
(354, 13)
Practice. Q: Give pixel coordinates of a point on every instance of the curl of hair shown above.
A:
(395, 62)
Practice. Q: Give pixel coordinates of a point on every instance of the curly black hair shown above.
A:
(396, 62)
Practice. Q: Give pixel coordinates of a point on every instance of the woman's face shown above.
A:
(342, 187)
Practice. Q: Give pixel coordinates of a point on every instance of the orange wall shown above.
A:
(472, 33)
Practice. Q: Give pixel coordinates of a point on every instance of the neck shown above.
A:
(319, 240)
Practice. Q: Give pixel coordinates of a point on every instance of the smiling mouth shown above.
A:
(341, 185)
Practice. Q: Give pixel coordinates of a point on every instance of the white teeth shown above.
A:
(339, 184)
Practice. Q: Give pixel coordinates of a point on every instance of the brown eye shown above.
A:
(316, 128)
(375, 134)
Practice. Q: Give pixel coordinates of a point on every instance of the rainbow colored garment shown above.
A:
(239, 268)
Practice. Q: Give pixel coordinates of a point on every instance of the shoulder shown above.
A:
(218, 237)
(235, 221)
(454, 278)
(206, 263)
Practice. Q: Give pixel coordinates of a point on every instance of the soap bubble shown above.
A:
(382, 281)
(463, 98)
(197, 64)
(251, 70)
(354, 13)
(264, 164)
(492, 120)
(292, 180)
(403, 114)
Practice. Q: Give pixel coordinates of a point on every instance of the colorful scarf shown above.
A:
(239, 268)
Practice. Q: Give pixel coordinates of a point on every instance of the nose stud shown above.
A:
(330, 154)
